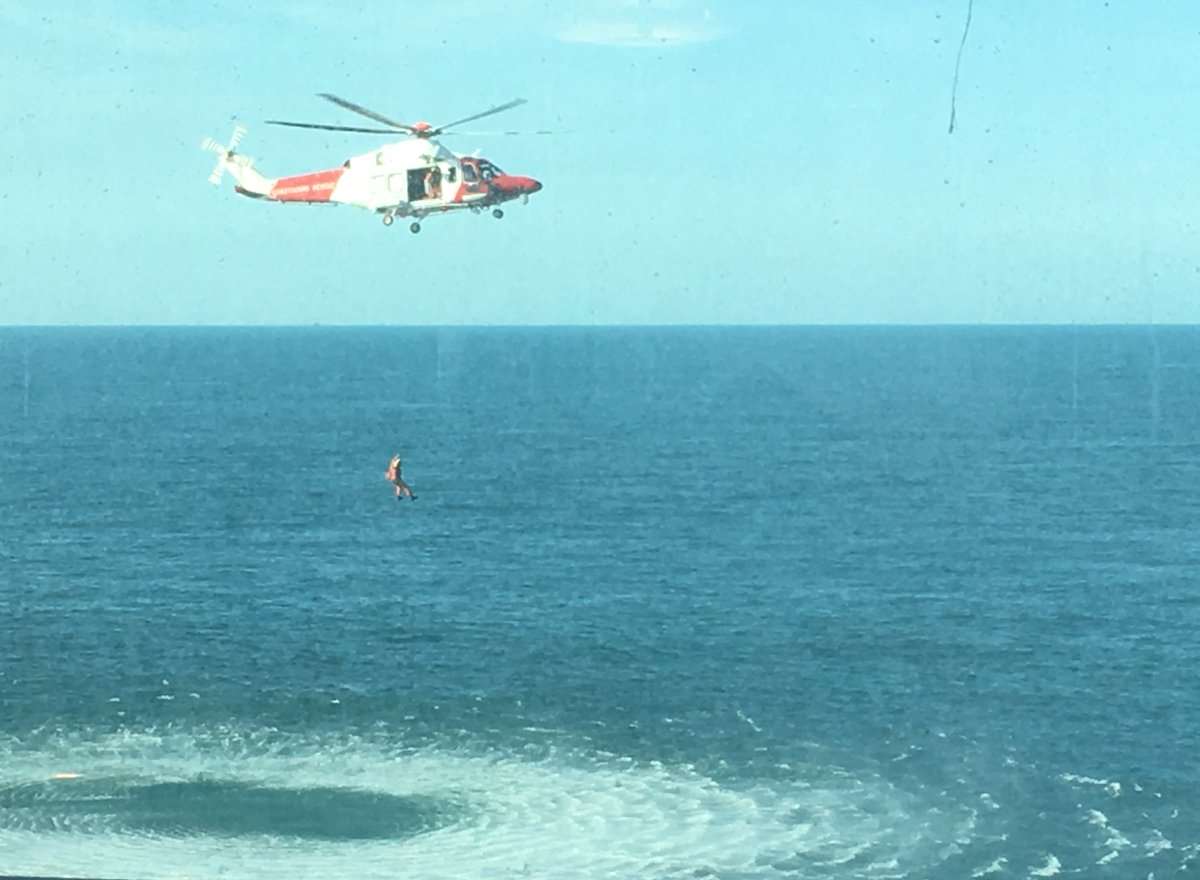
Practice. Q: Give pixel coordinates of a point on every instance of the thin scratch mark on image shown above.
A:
(25, 397)
(958, 63)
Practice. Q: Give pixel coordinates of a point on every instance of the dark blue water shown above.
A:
(671, 603)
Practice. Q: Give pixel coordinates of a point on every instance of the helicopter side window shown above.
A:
(469, 174)
(452, 174)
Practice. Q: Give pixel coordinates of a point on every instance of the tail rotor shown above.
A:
(225, 153)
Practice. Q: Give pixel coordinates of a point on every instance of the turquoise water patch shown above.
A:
(220, 808)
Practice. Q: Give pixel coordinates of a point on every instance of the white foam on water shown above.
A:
(534, 813)
(1053, 866)
(994, 868)
(1113, 788)
(749, 720)
(1117, 840)
(1190, 853)
(1157, 843)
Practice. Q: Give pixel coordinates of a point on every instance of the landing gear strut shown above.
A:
(414, 228)
(497, 213)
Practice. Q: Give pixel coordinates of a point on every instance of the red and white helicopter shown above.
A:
(413, 178)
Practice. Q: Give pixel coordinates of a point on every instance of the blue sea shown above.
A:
(670, 603)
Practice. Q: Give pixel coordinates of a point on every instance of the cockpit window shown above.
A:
(469, 174)
(487, 170)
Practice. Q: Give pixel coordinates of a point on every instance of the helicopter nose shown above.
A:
(516, 185)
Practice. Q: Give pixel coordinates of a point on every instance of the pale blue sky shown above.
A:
(720, 162)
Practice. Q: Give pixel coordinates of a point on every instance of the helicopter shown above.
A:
(413, 178)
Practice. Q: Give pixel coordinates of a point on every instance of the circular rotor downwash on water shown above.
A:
(171, 801)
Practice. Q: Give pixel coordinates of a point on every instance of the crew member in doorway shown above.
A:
(433, 183)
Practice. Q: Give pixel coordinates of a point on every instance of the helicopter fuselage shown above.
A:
(414, 177)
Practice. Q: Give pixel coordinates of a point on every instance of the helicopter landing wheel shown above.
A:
(387, 219)
(497, 213)
(414, 228)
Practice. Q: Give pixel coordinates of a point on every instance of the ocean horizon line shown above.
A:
(947, 325)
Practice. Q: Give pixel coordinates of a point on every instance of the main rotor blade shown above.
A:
(363, 111)
(391, 131)
(502, 133)
(514, 103)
